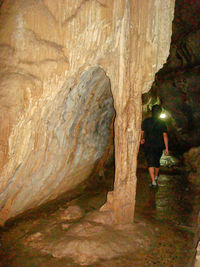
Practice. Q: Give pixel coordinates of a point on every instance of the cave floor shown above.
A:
(167, 215)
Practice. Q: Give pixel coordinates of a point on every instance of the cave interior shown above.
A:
(76, 228)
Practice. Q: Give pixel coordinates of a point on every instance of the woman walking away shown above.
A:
(155, 139)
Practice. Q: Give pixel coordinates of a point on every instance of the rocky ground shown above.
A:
(73, 232)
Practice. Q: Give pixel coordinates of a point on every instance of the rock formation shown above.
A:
(177, 83)
(56, 105)
(197, 262)
(192, 164)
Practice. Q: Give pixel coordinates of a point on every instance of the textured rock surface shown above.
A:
(177, 84)
(72, 213)
(90, 241)
(55, 112)
(77, 121)
(192, 162)
(167, 223)
(197, 262)
(179, 94)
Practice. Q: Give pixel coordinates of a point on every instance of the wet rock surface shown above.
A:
(163, 233)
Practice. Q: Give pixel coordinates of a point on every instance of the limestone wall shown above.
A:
(55, 100)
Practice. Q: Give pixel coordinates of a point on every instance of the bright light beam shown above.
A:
(162, 115)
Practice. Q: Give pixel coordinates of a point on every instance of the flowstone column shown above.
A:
(142, 51)
(127, 126)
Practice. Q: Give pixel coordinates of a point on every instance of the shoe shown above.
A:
(153, 184)
(156, 178)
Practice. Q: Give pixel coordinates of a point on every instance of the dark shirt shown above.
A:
(153, 132)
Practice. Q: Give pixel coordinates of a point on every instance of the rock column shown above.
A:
(141, 49)
(56, 60)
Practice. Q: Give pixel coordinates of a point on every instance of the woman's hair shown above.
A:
(156, 110)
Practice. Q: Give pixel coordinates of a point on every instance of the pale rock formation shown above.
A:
(197, 262)
(56, 104)
(79, 128)
(88, 242)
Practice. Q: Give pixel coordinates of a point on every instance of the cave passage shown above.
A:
(165, 217)
(50, 151)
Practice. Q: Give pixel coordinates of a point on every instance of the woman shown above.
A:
(155, 139)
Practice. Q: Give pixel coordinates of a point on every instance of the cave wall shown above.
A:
(58, 60)
(177, 84)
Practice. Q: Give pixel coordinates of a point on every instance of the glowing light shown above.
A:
(162, 115)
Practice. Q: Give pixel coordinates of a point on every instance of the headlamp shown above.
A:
(162, 115)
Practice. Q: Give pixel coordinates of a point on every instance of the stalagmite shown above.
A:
(58, 60)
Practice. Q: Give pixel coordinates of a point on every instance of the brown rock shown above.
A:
(197, 262)
(89, 242)
(72, 213)
(34, 237)
(65, 226)
(105, 217)
(108, 206)
(56, 107)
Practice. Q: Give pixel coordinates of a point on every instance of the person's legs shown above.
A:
(156, 172)
(152, 174)
(149, 155)
(154, 164)
(157, 156)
